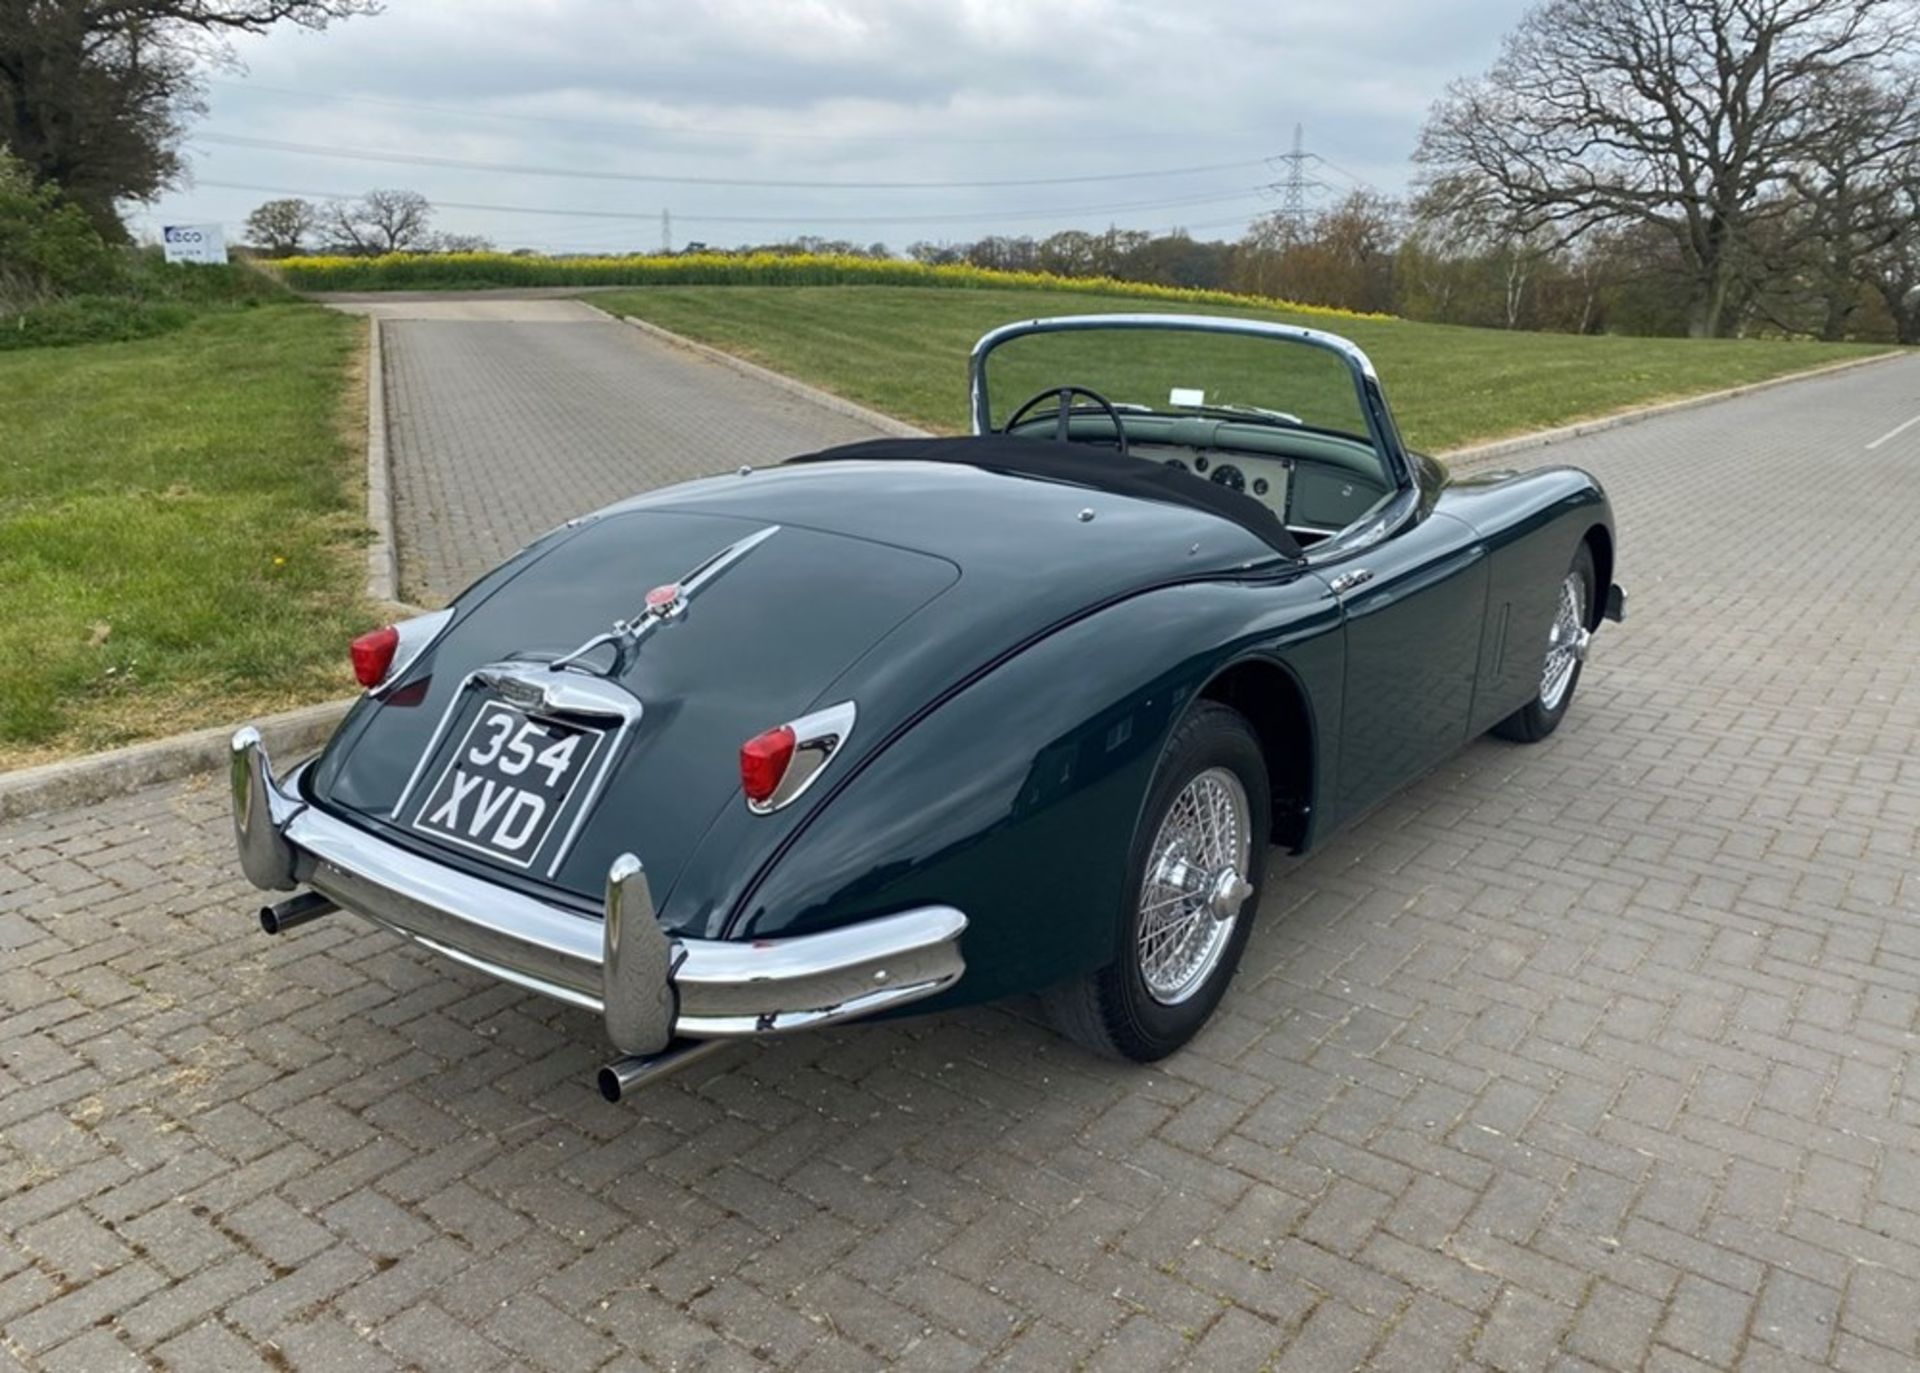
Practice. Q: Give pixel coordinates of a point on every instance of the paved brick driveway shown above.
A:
(1590, 1055)
(506, 417)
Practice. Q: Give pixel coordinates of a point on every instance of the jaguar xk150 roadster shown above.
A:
(914, 723)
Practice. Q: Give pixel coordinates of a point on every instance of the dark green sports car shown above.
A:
(920, 722)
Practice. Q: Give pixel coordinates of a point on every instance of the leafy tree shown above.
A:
(94, 94)
(279, 227)
(1684, 116)
(48, 246)
(1069, 253)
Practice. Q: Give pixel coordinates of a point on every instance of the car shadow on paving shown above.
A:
(1590, 1054)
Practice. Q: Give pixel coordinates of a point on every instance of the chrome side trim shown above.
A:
(816, 738)
(724, 1027)
(787, 982)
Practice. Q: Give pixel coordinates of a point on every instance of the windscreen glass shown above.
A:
(1180, 372)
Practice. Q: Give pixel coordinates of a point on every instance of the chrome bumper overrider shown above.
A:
(651, 988)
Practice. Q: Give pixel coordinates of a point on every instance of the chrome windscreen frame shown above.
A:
(651, 989)
(1366, 381)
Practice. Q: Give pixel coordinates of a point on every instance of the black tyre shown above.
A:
(1193, 884)
(1566, 653)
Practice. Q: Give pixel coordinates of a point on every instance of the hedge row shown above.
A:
(447, 271)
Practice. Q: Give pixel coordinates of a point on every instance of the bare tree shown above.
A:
(1849, 196)
(1466, 216)
(94, 95)
(1684, 115)
(279, 227)
(1343, 256)
(1894, 269)
(381, 221)
(445, 241)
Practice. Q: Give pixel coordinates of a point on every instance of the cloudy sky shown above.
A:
(571, 124)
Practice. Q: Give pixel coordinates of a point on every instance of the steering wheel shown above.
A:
(1062, 396)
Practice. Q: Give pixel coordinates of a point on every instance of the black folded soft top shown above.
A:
(1083, 464)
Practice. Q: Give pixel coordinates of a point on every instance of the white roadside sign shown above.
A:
(194, 243)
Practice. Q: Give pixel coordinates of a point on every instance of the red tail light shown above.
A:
(373, 655)
(764, 760)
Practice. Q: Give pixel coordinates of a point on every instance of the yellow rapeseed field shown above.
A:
(450, 271)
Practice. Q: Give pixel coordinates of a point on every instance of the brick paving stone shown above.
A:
(1596, 1054)
(520, 415)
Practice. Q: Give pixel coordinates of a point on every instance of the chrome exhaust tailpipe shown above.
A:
(295, 910)
(629, 1074)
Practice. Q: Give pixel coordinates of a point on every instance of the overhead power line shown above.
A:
(772, 135)
(520, 169)
(800, 217)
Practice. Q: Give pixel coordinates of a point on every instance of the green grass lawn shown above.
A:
(903, 350)
(180, 528)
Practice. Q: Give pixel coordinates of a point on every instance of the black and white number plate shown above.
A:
(505, 786)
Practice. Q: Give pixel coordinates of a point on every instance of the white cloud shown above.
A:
(835, 91)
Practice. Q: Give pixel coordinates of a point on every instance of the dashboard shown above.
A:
(1309, 497)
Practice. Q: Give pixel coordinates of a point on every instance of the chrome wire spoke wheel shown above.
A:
(1566, 642)
(1195, 885)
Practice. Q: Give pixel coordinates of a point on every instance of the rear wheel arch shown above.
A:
(1600, 541)
(1273, 702)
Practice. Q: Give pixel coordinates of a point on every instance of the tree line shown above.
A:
(1704, 167)
(381, 221)
(1711, 167)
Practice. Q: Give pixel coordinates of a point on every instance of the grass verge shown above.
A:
(180, 528)
(903, 350)
(145, 297)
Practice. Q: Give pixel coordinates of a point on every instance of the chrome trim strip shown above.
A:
(417, 635)
(540, 687)
(628, 633)
(817, 737)
(724, 1027)
(505, 974)
(623, 966)
(724, 559)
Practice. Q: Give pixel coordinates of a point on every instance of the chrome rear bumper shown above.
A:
(649, 987)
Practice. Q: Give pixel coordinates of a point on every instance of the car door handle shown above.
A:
(1347, 581)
